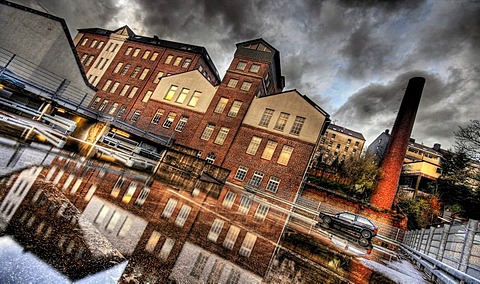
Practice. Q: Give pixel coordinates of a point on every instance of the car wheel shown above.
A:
(363, 242)
(366, 234)
(327, 219)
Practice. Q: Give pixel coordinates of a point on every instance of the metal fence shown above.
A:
(454, 249)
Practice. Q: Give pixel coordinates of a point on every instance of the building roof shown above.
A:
(159, 42)
(347, 131)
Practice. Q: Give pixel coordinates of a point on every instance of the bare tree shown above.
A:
(468, 140)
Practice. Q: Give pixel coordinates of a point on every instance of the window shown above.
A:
(118, 67)
(168, 60)
(281, 121)
(159, 76)
(102, 214)
(221, 105)
(124, 90)
(154, 56)
(166, 248)
(107, 84)
(114, 87)
(215, 230)
(83, 58)
(103, 105)
(254, 68)
(128, 51)
(94, 42)
(146, 54)
(104, 63)
(84, 41)
(333, 135)
(136, 115)
(345, 149)
(100, 45)
(349, 141)
(142, 196)
(144, 74)
(232, 83)
(183, 95)
(231, 237)
(241, 65)
(357, 143)
(136, 52)
(169, 121)
(133, 92)
(235, 108)
(127, 224)
(207, 132)
(221, 136)
(181, 123)
(130, 192)
(233, 277)
(194, 99)
(98, 62)
(89, 60)
(169, 208)
(121, 111)
(285, 155)
(186, 63)
(171, 92)
(90, 192)
(177, 61)
(125, 69)
(245, 204)
(147, 96)
(112, 223)
(135, 72)
(241, 173)
(113, 108)
(297, 125)
(182, 215)
(269, 150)
(229, 199)
(247, 245)
(115, 47)
(158, 115)
(253, 146)
(338, 146)
(210, 159)
(273, 183)
(95, 102)
(256, 179)
(199, 266)
(262, 211)
(266, 117)
(152, 241)
(245, 86)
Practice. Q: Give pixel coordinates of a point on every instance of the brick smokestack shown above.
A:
(391, 166)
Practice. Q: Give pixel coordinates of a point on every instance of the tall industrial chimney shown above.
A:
(391, 166)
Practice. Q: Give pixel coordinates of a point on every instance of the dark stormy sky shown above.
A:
(353, 58)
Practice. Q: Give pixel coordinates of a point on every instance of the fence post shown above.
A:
(429, 240)
(470, 231)
(443, 242)
(420, 240)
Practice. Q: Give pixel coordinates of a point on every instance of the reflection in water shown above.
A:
(78, 220)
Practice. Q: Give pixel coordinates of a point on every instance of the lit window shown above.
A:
(118, 67)
(136, 115)
(297, 125)
(147, 96)
(89, 60)
(273, 184)
(116, 188)
(171, 92)
(154, 56)
(158, 115)
(103, 105)
(285, 155)
(135, 72)
(200, 68)
(253, 146)
(125, 69)
(281, 121)
(107, 84)
(142, 196)
(159, 76)
(90, 192)
(215, 230)
(247, 245)
(241, 65)
(183, 95)
(256, 179)
(100, 45)
(133, 92)
(186, 63)
(146, 54)
(207, 132)
(241, 173)
(113, 109)
(166, 248)
(235, 108)
(114, 87)
(245, 86)
(124, 90)
(83, 58)
(128, 51)
(182, 215)
(144, 74)
(232, 83)
(181, 123)
(130, 192)
(177, 61)
(262, 211)
(229, 199)
(95, 102)
(269, 150)
(136, 52)
(254, 68)
(152, 241)
(266, 117)
(169, 208)
(94, 42)
(231, 237)
(121, 111)
(221, 136)
(221, 105)
(168, 60)
(84, 41)
(169, 121)
(194, 99)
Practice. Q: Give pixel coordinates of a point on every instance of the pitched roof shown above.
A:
(347, 131)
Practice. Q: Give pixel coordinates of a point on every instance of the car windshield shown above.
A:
(346, 216)
(365, 221)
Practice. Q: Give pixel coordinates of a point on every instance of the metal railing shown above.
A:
(450, 253)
